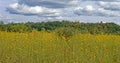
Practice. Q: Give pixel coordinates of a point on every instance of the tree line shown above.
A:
(92, 28)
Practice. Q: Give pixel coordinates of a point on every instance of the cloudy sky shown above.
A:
(43, 10)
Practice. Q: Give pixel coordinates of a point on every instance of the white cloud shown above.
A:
(33, 10)
(65, 8)
(89, 10)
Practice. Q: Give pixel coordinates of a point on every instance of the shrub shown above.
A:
(66, 32)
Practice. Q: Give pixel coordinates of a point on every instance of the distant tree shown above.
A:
(1, 22)
(64, 28)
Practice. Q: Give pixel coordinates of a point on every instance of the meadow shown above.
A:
(48, 47)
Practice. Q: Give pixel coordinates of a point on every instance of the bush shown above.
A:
(66, 32)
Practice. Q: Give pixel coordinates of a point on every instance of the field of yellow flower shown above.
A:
(47, 47)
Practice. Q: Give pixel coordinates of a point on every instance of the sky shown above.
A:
(73, 10)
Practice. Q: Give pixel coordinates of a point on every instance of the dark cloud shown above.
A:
(50, 3)
(89, 10)
(102, 0)
(110, 5)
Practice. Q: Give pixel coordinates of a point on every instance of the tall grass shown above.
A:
(44, 47)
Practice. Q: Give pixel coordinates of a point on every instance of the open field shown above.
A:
(44, 47)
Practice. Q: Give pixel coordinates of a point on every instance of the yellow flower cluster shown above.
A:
(48, 47)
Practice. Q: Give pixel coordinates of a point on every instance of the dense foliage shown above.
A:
(92, 28)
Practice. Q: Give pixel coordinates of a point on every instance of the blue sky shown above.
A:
(76, 10)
